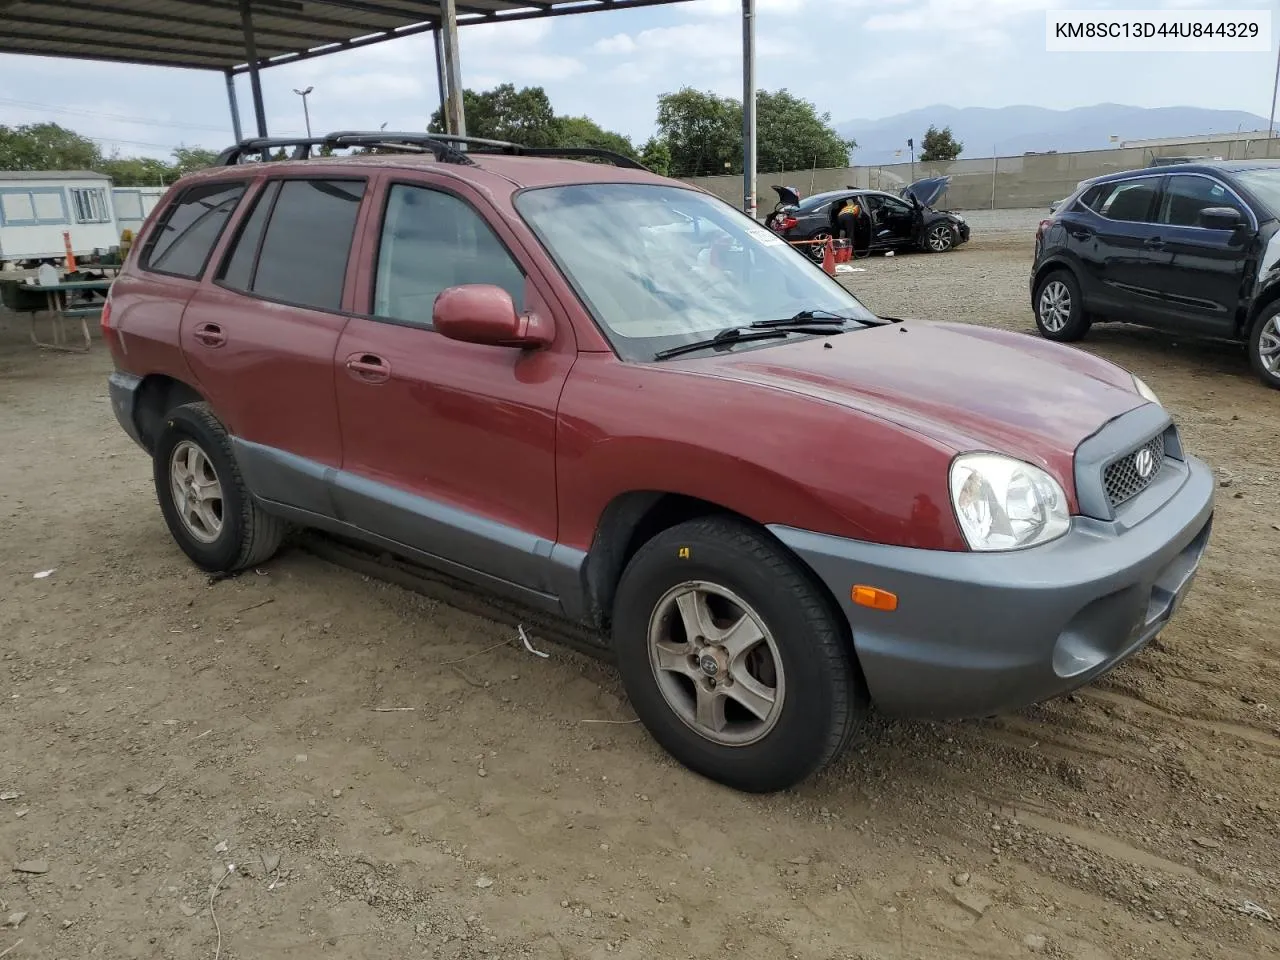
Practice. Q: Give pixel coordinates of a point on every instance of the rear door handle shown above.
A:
(210, 334)
(1153, 243)
(1081, 233)
(368, 368)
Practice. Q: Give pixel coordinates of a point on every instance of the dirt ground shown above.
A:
(156, 728)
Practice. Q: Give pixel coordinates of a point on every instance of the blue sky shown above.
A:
(853, 58)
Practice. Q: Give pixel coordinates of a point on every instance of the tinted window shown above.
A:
(432, 241)
(187, 231)
(1185, 196)
(237, 269)
(1264, 184)
(1093, 197)
(1129, 200)
(307, 243)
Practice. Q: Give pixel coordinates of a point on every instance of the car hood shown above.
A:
(966, 387)
(927, 191)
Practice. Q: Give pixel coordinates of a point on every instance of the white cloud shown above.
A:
(618, 43)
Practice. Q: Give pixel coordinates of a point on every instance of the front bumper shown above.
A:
(981, 633)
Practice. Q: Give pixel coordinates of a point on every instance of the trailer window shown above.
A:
(90, 204)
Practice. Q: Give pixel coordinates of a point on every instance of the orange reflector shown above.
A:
(875, 598)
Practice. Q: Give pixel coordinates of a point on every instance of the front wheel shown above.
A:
(1264, 346)
(939, 238)
(734, 658)
(1059, 308)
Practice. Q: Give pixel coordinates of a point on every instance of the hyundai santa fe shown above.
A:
(614, 398)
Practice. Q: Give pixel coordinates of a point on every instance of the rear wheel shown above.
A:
(818, 249)
(203, 498)
(734, 658)
(1059, 308)
(1264, 346)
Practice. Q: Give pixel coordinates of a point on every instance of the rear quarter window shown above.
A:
(186, 233)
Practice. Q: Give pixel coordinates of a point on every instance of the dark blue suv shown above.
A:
(1191, 248)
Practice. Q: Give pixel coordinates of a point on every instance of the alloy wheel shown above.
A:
(1269, 346)
(1055, 306)
(716, 663)
(940, 238)
(197, 491)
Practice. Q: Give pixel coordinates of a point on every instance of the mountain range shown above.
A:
(1010, 131)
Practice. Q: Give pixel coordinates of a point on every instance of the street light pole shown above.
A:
(306, 114)
(1271, 124)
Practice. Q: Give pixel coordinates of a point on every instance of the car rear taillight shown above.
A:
(105, 322)
(787, 223)
(1044, 225)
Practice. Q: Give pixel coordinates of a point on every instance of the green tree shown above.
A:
(189, 159)
(702, 131)
(656, 155)
(792, 135)
(46, 146)
(505, 113)
(939, 145)
(585, 132)
(136, 171)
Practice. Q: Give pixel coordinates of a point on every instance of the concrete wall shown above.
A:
(1030, 180)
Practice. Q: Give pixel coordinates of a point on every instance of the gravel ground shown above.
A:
(391, 776)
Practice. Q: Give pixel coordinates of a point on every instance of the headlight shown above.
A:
(1144, 391)
(1005, 504)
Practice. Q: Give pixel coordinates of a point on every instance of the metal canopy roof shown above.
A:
(209, 34)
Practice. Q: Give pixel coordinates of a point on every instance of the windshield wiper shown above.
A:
(811, 318)
(747, 334)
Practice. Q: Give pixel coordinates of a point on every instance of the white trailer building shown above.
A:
(37, 208)
(134, 204)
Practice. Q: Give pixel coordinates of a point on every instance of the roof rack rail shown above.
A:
(440, 144)
(520, 150)
(260, 146)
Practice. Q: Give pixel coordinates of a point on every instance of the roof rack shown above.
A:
(261, 146)
(440, 144)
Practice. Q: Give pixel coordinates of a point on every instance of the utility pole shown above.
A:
(749, 107)
(455, 120)
(306, 114)
(1271, 124)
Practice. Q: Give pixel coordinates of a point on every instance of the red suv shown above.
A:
(615, 398)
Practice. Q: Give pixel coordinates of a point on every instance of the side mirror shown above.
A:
(1220, 218)
(485, 314)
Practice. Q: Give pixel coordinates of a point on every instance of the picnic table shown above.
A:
(56, 301)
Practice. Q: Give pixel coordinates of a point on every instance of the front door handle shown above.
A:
(368, 368)
(210, 334)
(1153, 243)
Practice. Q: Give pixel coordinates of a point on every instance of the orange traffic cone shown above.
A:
(829, 258)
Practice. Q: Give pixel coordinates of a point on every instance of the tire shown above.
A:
(1059, 308)
(1264, 346)
(724, 567)
(194, 445)
(816, 251)
(939, 238)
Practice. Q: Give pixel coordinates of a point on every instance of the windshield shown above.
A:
(1263, 184)
(660, 266)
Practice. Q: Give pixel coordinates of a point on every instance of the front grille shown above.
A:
(1124, 479)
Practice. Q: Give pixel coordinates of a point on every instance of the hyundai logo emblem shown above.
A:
(1144, 463)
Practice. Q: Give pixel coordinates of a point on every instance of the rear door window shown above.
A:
(187, 232)
(303, 249)
(1130, 201)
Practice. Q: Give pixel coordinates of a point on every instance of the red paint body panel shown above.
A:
(850, 435)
